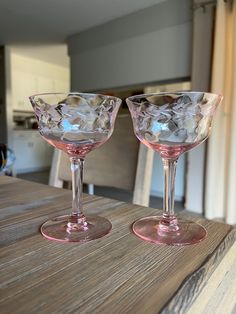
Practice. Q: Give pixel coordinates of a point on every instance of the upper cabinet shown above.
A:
(24, 85)
(45, 84)
(32, 76)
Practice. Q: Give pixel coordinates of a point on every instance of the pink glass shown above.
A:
(171, 124)
(75, 123)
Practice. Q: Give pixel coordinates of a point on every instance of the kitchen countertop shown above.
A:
(23, 129)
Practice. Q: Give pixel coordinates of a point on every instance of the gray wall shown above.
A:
(152, 45)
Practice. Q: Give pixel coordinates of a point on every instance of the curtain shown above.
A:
(220, 196)
(202, 39)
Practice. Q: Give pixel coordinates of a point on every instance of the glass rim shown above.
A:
(31, 97)
(132, 98)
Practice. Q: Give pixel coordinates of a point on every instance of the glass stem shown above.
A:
(169, 219)
(77, 165)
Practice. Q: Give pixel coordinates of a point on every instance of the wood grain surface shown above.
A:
(118, 273)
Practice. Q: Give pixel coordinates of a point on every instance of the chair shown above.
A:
(120, 163)
(7, 159)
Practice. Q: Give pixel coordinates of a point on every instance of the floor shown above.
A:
(122, 195)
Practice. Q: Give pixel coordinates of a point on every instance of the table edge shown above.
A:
(193, 284)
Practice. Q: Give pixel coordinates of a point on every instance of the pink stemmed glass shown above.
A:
(171, 124)
(75, 123)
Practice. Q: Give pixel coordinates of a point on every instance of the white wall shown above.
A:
(147, 46)
(152, 45)
(146, 58)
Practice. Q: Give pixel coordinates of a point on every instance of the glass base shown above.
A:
(152, 229)
(58, 229)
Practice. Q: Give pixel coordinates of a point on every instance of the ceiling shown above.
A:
(52, 21)
(39, 29)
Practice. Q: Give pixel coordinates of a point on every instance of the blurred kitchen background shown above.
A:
(120, 48)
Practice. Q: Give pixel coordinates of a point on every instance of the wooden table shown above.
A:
(115, 274)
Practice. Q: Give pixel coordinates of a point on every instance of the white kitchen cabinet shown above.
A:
(31, 151)
(30, 76)
(45, 85)
(61, 86)
(24, 85)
